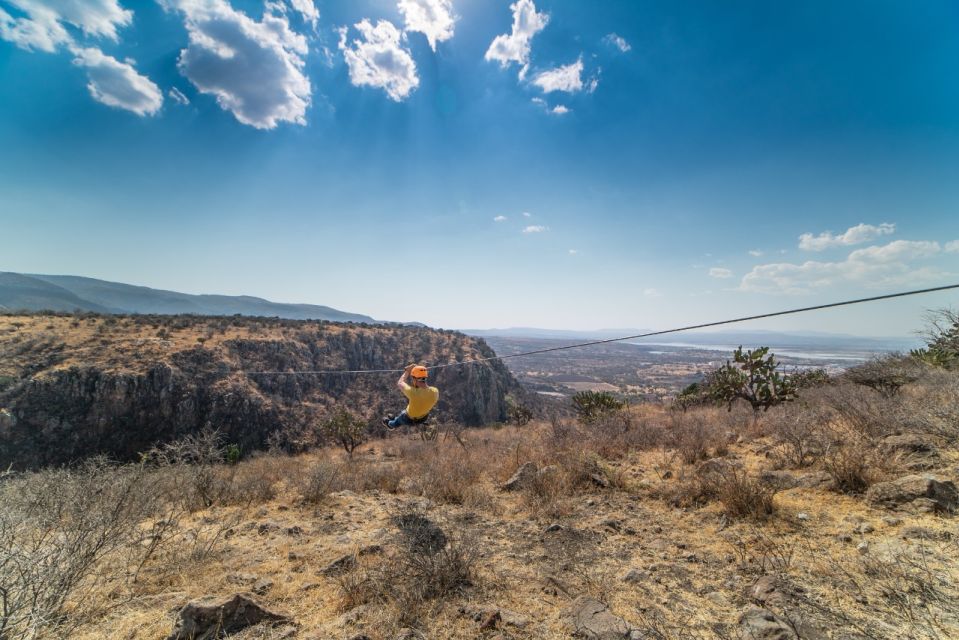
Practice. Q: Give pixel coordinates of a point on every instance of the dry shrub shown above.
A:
(855, 462)
(800, 434)
(429, 566)
(695, 436)
(57, 527)
(859, 409)
(742, 495)
(759, 551)
(369, 475)
(319, 480)
(247, 483)
(446, 473)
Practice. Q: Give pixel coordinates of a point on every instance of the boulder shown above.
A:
(761, 624)
(492, 616)
(766, 591)
(592, 620)
(208, 618)
(522, 478)
(924, 492)
(338, 567)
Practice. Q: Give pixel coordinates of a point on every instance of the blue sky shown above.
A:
(485, 164)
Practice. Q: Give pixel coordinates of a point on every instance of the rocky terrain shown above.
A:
(828, 516)
(73, 386)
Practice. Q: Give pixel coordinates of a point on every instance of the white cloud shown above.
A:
(515, 47)
(876, 266)
(535, 228)
(379, 61)
(499, 219)
(756, 253)
(720, 272)
(566, 78)
(43, 25)
(560, 110)
(254, 69)
(308, 10)
(574, 252)
(854, 235)
(178, 96)
(433, 18)
(952, 247)
(652, 293)
(527, 214)
(117, 84)
(617, 41)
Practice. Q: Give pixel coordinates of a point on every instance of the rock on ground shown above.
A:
(209, 618)
(925, 492)
(592, 620)
(761, 624)
(523, 477)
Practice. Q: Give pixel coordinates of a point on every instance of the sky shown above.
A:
(480, 164)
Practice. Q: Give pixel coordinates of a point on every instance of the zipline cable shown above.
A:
(705, 325)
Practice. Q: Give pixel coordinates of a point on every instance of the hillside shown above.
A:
(72, 386)
(32, 292)
(832, 517)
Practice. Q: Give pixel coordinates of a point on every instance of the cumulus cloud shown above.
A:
(756, 253)
(307, 10)
(720, 272)
(378, 60)
(499, 219)
(560, 110)
(117, 84)
(875, 266)
(616, 41)
(254, 69)
(43, 25)
(535, 228)
(178, 96)
(952, 247)
(433, 18)
(515, 46)
(854, 235)
(568, 78)
(527, 214)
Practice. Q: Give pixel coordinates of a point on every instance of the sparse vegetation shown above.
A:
(683, 512)
(345, 429)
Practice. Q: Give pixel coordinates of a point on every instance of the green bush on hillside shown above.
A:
(591, 406)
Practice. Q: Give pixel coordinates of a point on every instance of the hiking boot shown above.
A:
(386, 422)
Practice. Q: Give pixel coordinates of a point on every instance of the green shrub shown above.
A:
(753, 378)
(590, 406)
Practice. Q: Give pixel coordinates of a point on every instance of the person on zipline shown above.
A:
(422, 397)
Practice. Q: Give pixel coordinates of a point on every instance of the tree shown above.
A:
(752, 378)
(942, 340)
(517, 413)
(346, 429)
(590, 406)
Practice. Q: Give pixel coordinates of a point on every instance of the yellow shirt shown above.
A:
(421, 400)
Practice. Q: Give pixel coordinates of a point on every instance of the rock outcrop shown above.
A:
(207, 618)
(120, 394)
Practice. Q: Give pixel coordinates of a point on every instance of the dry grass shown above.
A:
(609, 499)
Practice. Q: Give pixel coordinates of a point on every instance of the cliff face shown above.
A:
(74, 387)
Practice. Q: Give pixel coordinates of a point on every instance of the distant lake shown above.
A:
(853, 355)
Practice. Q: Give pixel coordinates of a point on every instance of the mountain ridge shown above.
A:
(37, 292)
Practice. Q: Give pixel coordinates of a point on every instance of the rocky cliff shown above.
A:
(74, 386)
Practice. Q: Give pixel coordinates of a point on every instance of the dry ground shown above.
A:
(693, 567)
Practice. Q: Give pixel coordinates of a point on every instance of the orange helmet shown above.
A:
(419, 372)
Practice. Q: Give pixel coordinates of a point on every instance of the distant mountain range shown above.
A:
(32, 292)
(780, 339)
